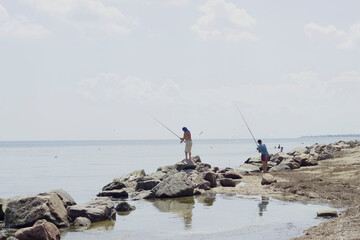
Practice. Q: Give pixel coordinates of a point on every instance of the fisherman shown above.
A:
(264, 154)
(187, 139)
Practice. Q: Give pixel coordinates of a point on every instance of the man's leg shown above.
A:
(264, 166)
(186, 155)
(189, 155)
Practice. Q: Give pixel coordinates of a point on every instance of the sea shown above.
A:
(82, 168)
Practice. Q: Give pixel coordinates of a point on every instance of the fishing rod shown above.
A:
(247, 125)
(166, 127)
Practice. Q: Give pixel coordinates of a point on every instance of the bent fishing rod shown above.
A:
(247, 126)
(167, 128)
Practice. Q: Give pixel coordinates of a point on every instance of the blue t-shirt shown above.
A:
(263, 149)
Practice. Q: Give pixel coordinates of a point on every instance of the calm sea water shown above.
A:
(82, 168)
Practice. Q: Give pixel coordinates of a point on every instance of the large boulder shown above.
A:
(157, 176)
(279, 157)
(114, 185)
(327, 213)
(42, 230)
(279, 168)
(24, 211)
(202, 167)
(210, 177)
(174, 185)
(99, 209)
(253, 160)
(146, 194)
(267, 179)
(65, 197)
(299, 150)
(146, 185)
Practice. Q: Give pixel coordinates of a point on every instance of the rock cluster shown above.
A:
(298, 157)
(185, 178)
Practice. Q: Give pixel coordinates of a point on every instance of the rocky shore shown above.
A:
(319, 173)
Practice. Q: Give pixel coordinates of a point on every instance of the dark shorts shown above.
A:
(264, 157)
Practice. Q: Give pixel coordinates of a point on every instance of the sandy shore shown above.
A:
(334, 181)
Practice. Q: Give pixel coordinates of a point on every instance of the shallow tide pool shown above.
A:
(220, 216)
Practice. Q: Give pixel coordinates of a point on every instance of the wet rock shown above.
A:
(205, 185)
(82, 222)
(124, 207)
(99, 209)
(114, 193)
(327, 213)
(24, 211)
(267, 179)
(42, 230)
(227, 182)
(147, 194)
(146, 185)
(174, 185)
(65, 197)
(232, 174)
(247, 168)
(115, 185)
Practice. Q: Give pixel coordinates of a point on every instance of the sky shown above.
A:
(102, 69)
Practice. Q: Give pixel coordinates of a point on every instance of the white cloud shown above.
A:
(109, 86)
(91, 16)
(223, 20)
(342, 39)
(19, 27)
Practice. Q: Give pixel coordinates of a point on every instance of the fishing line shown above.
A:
(247, 125)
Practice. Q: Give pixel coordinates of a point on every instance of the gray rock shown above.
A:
(210, 177)
(42, 230)
(175, 185)
(279, 168)
(291, 163)
(327, 213)
(124, 207)
(133, 176)
(202, 167)
(247, 168)
(166, 169)
(205, 185)
(65, 197)
(299, 150)
(82, 222)
(253, 160)
(157, 176)
(24, 211)
(99, 209)
(310, 162)
(232, 174)
(115, 185)
(146, 185)
(2, 235)
(114, 193)
(196, 159)
(147, 194)
(267, 179)
(12, 238)
(185, 164)
(227, 182)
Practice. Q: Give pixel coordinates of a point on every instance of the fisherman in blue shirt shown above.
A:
(264, 154)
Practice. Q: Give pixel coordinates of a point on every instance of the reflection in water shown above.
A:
(206, 199)
(263, 204)
(180, 206)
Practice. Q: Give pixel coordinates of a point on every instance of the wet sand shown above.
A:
(334, 181)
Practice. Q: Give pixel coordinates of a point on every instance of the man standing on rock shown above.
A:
(187, 139)
(264, 154)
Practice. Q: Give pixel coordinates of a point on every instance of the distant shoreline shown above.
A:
(340, 135)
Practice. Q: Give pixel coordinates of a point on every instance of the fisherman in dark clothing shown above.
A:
(264, 154)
